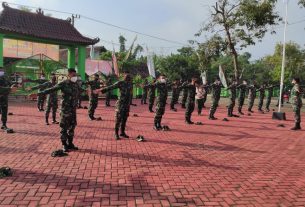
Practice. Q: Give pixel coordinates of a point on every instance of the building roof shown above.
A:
(38, 26)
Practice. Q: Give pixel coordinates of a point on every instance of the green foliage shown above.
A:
(302, 3)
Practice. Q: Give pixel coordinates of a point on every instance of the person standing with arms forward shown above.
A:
(93, 101)
(145, 90)
(242, 95)
(200, 93)
(232, 98)
(52, 100)
(68, 121)
(151, 95)
(251, 96)
(261, 91)
(269, 89)
(175, 95)
(6, 87)
(190, 103)
(122, 105)
(216, 91)
(162, 91)
(296, 101)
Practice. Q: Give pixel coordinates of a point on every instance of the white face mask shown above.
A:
(73, 79)
(42, 78)
(162, 80)
(1, 73)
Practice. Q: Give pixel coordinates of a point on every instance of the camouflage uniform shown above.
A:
(5, 87)
(216, 91)
(184, 97)
(52, 100)
(70, 92)
(93, 101)
(261, 97)
(190, 103)
(232, 99)
(82, 87)
(242, 96)
(251, 96)
(151, 96)
(108, 94)
(296, 101)
(269, 96)
(144, 95)
(122, 104)
(175, 95)
(162, 91)
(40, 97)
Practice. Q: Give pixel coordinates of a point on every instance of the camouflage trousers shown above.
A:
(144, 97)
(79, 101)
(231, 106)
(108, 98)
(297, 113)
(173, 101)
(184, 98)
(121, 120)
(51, 105)
(241, 102)
(260, 103)
(160, 110)
(40, 101)
(151, 102)
(67, 126)
(268, 102)
(189, 110)
(93, 102)
(250, 103)
(213, 108)
(204, 100)
(200, 103)
(4, 108)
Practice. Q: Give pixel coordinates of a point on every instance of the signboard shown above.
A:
(23, 49)
(94, 66)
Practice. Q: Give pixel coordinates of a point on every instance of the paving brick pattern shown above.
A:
(247, 161)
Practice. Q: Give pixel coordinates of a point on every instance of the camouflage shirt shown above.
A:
(191, 93)
(52, 96)
(242, 91)
(162, 91)
(216, 91)
(5, 86)
(296, 95)
(233, 91)
(252, 91)
(94, 84)
(123, 102)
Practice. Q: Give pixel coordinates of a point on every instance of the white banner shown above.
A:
(150, 64)
(204, 77)
(222, 77)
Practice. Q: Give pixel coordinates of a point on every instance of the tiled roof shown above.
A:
(37, 25)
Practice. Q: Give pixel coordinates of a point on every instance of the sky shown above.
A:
(175, 20)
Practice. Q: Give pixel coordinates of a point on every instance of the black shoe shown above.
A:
(241, 113)
(41, 109)
(72, 147)
(92, 118)
(124, 135)
(117, 137)
(151, 111)
(230, 115)
(213, 118)
(157, 127)
(55, 122)
(47, 123)
(4, 127)
(65, 148)
(189, 122)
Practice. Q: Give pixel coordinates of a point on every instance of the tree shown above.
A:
(122, 41)
(243, 23)
(24, 8)
(302, 3)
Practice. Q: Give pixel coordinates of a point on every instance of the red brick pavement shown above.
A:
(244, 162)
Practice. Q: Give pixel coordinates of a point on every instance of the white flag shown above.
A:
(150, 64)
(222, 77)
(204, 77)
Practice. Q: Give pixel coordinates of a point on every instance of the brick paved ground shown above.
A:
(243, 162)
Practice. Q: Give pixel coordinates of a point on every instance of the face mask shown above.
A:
(42, 78)
(1, 73)
(162, 80)
(73, 79)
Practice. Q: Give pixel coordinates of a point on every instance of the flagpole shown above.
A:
(283, 59)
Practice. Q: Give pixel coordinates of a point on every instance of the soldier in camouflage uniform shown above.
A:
(251, 96)
(108, 94)
(40, 98)
(162, 91)
(216, 91)
(175, 95)
(233, 93)
(93, 101)
(145, 90)
(82, 87)
(184, 96)
(70, 91)
(151, 96)
(269, 89)
(296, 101)
(52, 100)
(190, 103)
(261, 91)
(6, 87)
(242, 95)
(122, 104)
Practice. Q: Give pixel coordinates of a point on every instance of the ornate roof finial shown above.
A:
(69, 20)
(5, 5)
(39, 11)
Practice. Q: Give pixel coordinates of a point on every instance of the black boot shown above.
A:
(54, 118)
(156, 126)
(71, 146)
(123, 134)
(47, 119)
(91, 117)
(116, 134)
(65, 147)
(297, 126)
